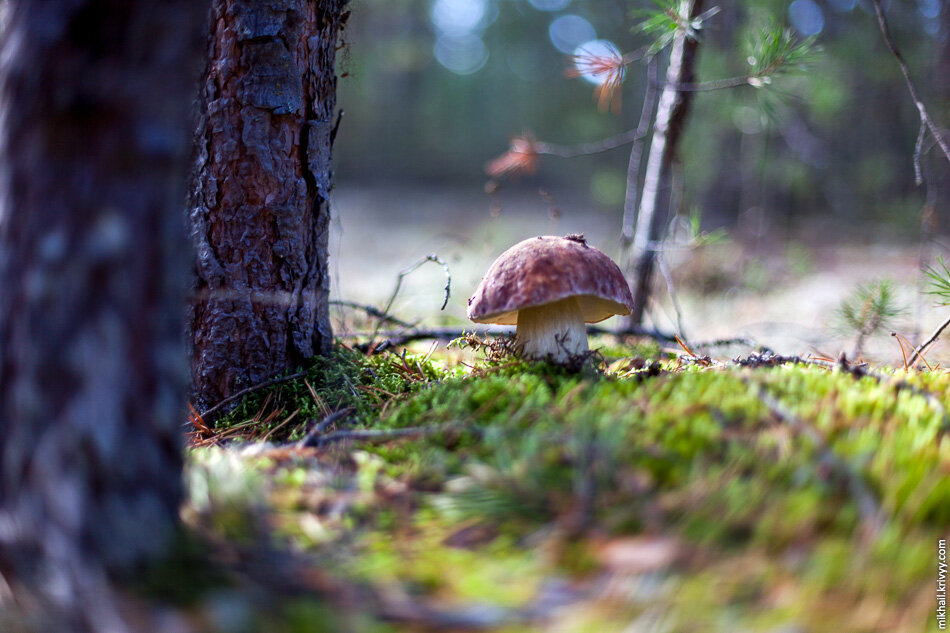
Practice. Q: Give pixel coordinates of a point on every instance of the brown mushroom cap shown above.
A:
(545, 269)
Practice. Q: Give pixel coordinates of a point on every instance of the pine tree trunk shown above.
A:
(670, 120)
(260, 195)
(95, 98)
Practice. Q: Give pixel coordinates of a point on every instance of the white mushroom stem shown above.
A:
(554, 331)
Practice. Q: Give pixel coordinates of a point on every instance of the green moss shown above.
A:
(344, 379)
(500, 572)
(225, 493)
(545, 456)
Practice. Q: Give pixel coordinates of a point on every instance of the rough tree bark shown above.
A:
(96, 98)
(260, 194)
(668, 127)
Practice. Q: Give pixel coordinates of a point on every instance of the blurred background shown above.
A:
(811, 182)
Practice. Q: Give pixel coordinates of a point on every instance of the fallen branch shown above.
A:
(372, 311)
(395, 339)
(899, 384)
(868, 507)
(738, 340)
(856, 370)
(312, 438)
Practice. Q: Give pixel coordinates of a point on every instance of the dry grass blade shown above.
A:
(316, 398)
(370, 389)
(281, 425)
(685, 347)
(197, 421)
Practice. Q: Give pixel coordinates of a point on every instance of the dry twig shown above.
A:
(709, 86)
(920, 349)
(587, 149)
(431, 257)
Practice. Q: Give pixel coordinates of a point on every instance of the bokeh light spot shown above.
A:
(458, 17)
(843, 5)
(929, 8)
(549, 5)
(806, 16)
(570, 31)
(462, 54)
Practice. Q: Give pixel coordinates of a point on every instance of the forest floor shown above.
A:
(661, 488)
(655, 490)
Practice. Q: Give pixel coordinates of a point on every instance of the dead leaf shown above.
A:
(639, 554)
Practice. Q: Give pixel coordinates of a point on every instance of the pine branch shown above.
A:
(709, 86)
(925, 119)
(593, 147)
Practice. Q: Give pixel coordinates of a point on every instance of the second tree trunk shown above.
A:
(260, 195)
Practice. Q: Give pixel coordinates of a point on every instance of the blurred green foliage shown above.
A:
(870, 309)
(939, 282)
(836, 144)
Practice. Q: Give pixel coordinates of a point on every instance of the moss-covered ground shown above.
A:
(651, 491)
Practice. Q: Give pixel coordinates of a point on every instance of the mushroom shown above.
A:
(549, 287)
